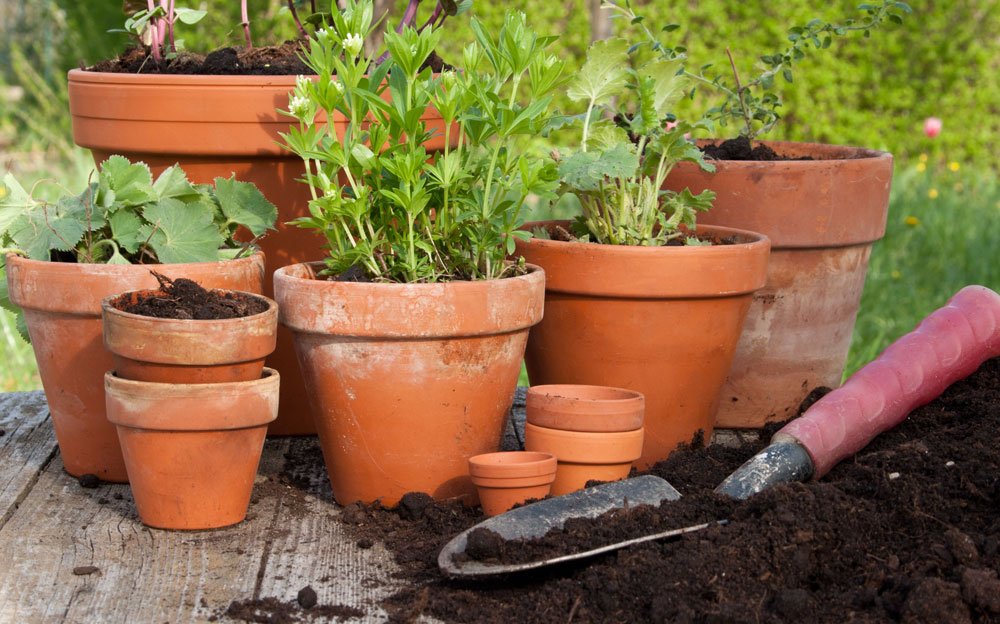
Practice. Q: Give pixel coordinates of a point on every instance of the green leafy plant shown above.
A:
(629, 144)
(154, 25)
(383, 204)
(753, 103)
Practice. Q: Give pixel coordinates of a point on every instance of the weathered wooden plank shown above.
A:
(28, 444)
(144, 575)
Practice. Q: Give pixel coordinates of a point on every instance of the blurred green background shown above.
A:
(944, 221)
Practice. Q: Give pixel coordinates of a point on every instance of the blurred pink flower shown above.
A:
(932, 127)
(670, 125)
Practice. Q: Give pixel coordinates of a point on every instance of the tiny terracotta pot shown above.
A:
(584, 455)
(185, 351)
(507, 479)
(191, 450)
(572, 407)
(62, 306)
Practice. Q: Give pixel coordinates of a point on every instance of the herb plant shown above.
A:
(628, 145)
(383, 204)
(752, 103)
(156, 22)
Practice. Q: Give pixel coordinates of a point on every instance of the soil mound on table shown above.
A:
(908, 530)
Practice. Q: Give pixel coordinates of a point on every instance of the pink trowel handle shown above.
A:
(948, 345)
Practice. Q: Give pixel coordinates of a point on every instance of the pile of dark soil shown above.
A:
(741, 148)
(185, 299)
(908, 530)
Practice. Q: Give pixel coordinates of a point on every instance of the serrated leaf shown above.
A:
(14, 202)
(668, 85)
(125, 228)
(602, 75)
(117, 258)
(173, 182)
(244, 205)
(39, 232)
(182, 232)
(604, 136)
(131, 183)
(585, 171)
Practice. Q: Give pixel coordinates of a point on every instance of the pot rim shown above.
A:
(512, 465)
(643, 251)
(170, 324)
(861, 154)
(557, 407)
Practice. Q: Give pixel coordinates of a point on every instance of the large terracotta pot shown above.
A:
(663, 321)
(822, 217)
(62, 306)
(192, 450)
(407, 381)
(215, 126)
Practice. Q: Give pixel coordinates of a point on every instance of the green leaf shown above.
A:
(173, 182)
(244, 205)
(14, 202)
(125, 227)
(668, 85)
(130, 183)
(180, 232)
(189, 16)
(585, 171)
(46, 229)
(117, 258)
(602, 75)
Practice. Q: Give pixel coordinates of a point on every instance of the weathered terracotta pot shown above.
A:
(507, 479)
(62, 306)
(663, 321)
(585, 455)
(192, 449)
(407, 380)
(584, 408)
(215, 126)
(822, 217)
(186, 351)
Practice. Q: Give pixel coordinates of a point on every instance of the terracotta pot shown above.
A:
(585, 455)
(186, 351)
(663, 321)
(192, 449)
(215, 126)
(62, 306)
(822, 217)
(585, 408)
(507, 479)
(407, 380)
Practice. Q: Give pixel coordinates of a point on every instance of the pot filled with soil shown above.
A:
(62, 307)
(663, 321)
(192, 450)
(408, 380)
(183, 333)
(823, 207)
(503, 480)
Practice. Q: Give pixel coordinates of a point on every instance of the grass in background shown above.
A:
(943, 233)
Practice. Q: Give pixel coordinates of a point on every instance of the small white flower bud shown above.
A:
(353, 43)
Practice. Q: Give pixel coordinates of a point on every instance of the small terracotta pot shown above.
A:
(585, 456)
(663, 321)
(507, 479)
(217, 126)
(822, 216)
(585, 408)
(408, 380)
(192, 450)
(186, 351)
(62, 306)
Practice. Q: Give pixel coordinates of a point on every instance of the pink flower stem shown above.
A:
(170, 25)
(409, 16)
(154, 35)
(438, 10)
(246, 22)
(295, 16)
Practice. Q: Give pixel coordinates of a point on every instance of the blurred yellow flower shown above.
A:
(933, 193)
(3, 191)
(953, 165)
(911, 220)
(921, 166)
(895, 274)
(923, 158)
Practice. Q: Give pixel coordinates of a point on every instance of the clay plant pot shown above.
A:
(507, 479)
(215, 126)
(585, 408)
(407, 380)
(663, 321)
(186, 351)
(192, 449)
(585, 455)
(822, 217)
(62, 306)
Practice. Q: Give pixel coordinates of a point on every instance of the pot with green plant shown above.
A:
(412, 332)
(163, 105)
(822, 206)
(62, 259)
(637, 295)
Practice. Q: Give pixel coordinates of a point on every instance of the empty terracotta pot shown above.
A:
(584, 455)
(584, 408)
(663, 321)
(507, 479)
(192, 450)
(408, 381)
(62, 306)
(186, 351)
(822, 215)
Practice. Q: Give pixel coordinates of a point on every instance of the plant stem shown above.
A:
(740, 92)
(246, 22)
(154, 34)
(409, 15)
(433, 18)
(295, 16)
(586, 125)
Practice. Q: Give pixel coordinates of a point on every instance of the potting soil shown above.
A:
(185, 299)
(741, 148)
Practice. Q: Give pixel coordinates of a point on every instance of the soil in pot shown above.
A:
(741, 148)
(907, 530)
(186, 299)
